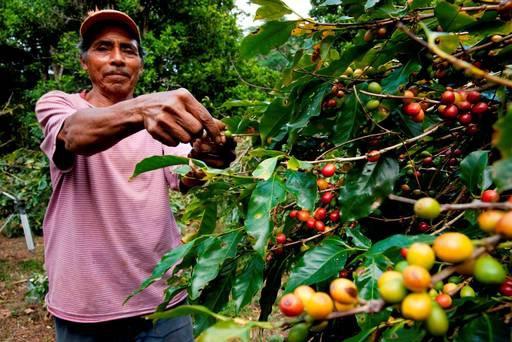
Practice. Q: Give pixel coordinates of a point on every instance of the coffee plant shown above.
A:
(370, 198)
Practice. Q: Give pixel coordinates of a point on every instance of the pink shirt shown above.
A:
(103, 234)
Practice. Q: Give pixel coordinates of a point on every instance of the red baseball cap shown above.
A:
(108, 15)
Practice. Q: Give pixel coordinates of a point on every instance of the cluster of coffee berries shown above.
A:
(374, 103)
(410, 283)
(415, 110)
(326, 210)
(466, 107)
(318, 305)
(334, 98)
(496, 222)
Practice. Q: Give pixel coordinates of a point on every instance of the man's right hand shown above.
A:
(176, 116)
(171, 117)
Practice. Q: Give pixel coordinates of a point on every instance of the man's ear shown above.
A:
(83, 62)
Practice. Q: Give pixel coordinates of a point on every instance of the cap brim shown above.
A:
(109, 16)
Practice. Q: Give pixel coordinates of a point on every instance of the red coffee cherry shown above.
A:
(490, 196)
(320, 226)
(403, 252)
(480, 108)
(334, 216)
(465, 119)
(328, 170)
(472, 129)
(412, 109)
(450, 112)
(320, 214)
(464, 106)
(473, 96)
(326, 197)
(373, 156)
(448, 97)
(280, 238)
(423, 226)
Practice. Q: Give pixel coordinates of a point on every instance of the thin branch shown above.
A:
(477, 204)
(448, 224)
(400, 219)
(457, 63)
(401, 199)
(381, 151)
(246, 82)
(445, 225)
(372, 306)
(351, 141)
(407, 18)
(505, 41)
(387, 96)
(411, 140)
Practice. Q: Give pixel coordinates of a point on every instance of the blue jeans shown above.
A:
(136, 329)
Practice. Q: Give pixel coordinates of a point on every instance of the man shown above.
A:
(103, 234)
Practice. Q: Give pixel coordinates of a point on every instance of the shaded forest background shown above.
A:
(191, 44)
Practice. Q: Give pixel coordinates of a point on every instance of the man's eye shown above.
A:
(130, 51)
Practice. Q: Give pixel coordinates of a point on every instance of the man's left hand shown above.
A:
(217, 155)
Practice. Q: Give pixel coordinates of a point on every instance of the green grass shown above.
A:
(31, 266)
(4, 271)
(246, 312)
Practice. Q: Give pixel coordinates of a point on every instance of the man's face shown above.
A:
(113, 62)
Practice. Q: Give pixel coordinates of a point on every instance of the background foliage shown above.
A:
(191, 44)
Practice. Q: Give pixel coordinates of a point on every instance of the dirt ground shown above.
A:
(19, 319)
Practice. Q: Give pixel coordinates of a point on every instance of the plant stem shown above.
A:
(372, 306)
(351, 141)
(476, 204)
(457, 63)
(448, 224)
(388, 96)
(401, 199)
(381, 151)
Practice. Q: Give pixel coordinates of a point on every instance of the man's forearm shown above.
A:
(92, 130)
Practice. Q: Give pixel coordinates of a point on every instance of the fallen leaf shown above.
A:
(4, 313)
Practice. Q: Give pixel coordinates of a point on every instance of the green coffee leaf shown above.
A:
(211, 255)
(303, 187)
(249, 282)
(319, 263)
(265, 196)
(364, 189)
(271, 9)
(267, 37)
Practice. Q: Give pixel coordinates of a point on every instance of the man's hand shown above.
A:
(218, 155)
(176, 116)
(195, 177)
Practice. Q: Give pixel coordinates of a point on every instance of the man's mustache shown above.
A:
(118, 72)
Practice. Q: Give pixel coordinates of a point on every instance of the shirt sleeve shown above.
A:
(51, 111)
(182, 150)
